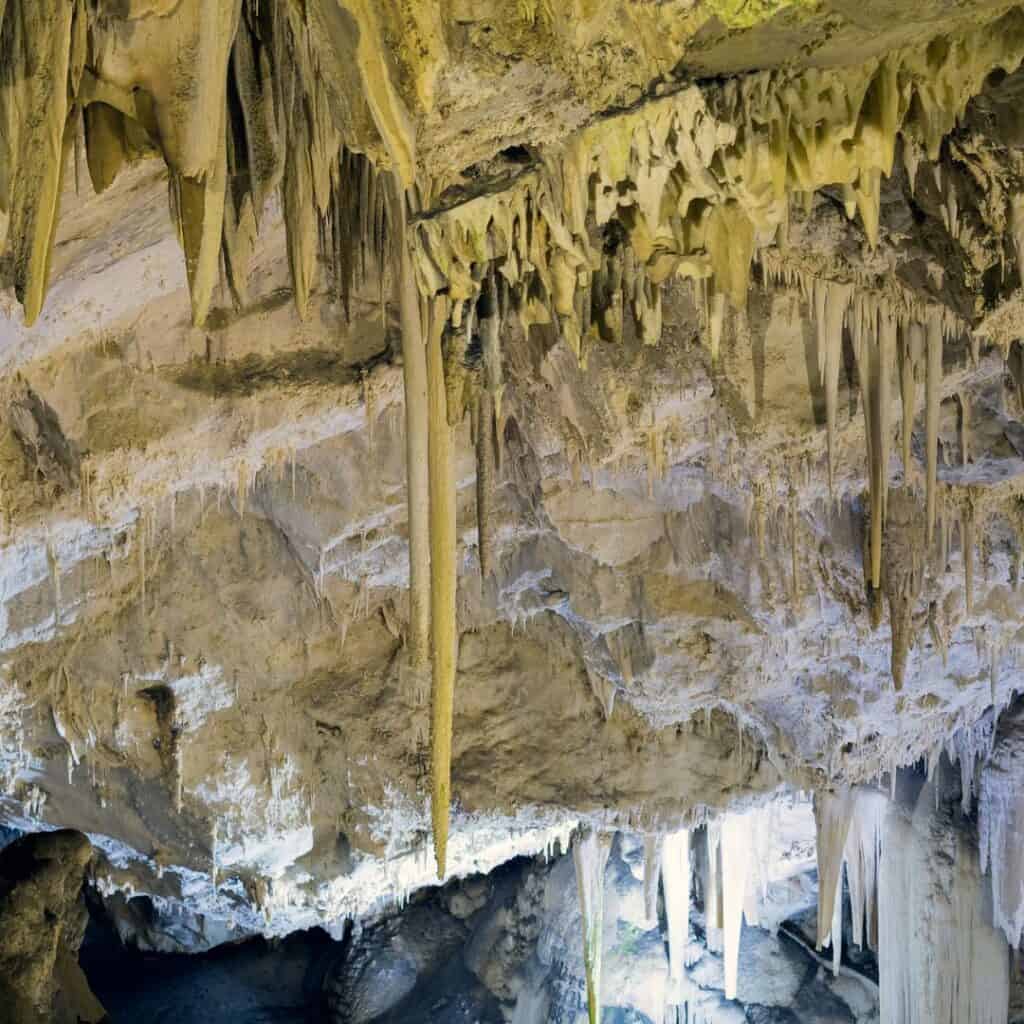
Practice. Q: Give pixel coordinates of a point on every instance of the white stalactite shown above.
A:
(940, 960)
(675, 872)
(736, 855)
(833, 813)
(849, 833)
(713, 886)
(1001, 827)
(652, 871)
(863, 856)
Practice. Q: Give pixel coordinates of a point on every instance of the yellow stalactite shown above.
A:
(443, 578)
(417, 424)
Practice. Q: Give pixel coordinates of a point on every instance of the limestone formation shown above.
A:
(649, 376)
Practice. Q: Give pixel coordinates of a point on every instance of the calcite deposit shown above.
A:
(439, 433)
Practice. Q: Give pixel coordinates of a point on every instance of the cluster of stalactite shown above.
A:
(694, 183)
(699, 184)
(238, 101)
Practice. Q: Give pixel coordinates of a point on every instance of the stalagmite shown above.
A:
(933, 392)
(414, 374)
(675, 871)
(590, 854)
(736, 857)
(443, 581)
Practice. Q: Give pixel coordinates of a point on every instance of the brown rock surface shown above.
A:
(42, 921)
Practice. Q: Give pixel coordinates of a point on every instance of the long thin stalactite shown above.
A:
(414, 373)
(443, 577)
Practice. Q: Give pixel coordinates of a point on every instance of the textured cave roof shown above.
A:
(204, 561)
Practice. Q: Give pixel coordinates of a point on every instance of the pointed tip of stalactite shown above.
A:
(898, 671)
(440, 810)
(31, 295)
(441, 861)
(199, 315)
(30, 315)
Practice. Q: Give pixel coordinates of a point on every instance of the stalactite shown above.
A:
(831, 303)
(911, 354)
(142, 562)
(675, 871)
(903, 577)
(932, 401)
(794, 548)
(490, 337)
(443, 581)
(886, 358)
(652, 874)
(1001, 824)
(590, 855)
(713, 910)
(487, 419)
(736, 857)
(298, 201)
(716, 324)
(484, 419)
(967, 543)
(964, 406)
(875, 343)
(417, 421)
(867, 193)
(832, 814)
(863, 857)
(940, 960)
(199, 205)
(36, 83)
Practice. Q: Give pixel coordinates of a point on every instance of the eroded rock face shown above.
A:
(42, 921)
(722, 303)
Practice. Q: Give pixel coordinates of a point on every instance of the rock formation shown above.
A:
(42, 921)
(518, 422)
